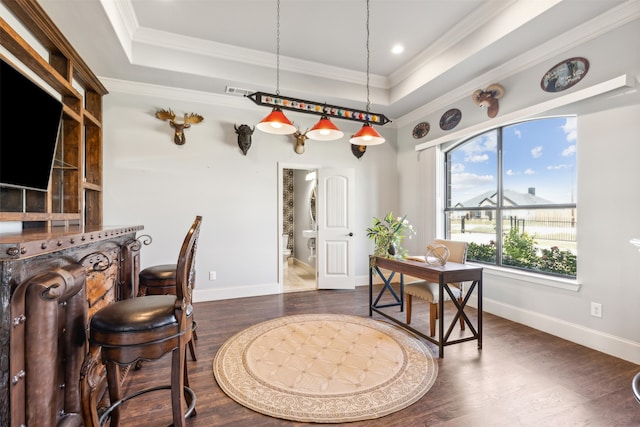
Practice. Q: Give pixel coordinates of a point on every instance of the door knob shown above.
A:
(350, 234)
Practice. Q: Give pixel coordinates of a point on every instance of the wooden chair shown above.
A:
(430, 292)
(161, 280)
(143, 328)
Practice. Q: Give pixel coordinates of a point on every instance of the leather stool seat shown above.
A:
(158, 280)
(126, 325)
(134, 318)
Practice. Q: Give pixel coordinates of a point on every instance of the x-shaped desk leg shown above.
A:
(399, 300)
(460, 312)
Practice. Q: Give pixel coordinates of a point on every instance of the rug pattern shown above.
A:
(324, 368)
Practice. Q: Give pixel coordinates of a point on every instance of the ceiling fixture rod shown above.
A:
(276, 122)
(367, 135)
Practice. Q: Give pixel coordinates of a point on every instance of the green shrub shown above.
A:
(554, 260)
(519, 250)
(482, 252)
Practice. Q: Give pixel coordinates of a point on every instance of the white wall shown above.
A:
(608, 204)
(151, 181)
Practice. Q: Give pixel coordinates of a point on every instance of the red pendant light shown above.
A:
(276, 123)
(325, 130)
(367, 135)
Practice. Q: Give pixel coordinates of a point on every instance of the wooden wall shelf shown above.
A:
(75, 191)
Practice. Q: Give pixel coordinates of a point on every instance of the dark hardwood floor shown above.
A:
(521, 377)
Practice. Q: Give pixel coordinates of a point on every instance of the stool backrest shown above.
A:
(185, 271)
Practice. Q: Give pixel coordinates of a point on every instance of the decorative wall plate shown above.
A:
(564, 74)
(421, 130)
(450, 119)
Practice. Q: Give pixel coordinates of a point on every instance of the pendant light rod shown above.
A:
(367, 135)
(278, 47)
(368, 59)
(276, 122)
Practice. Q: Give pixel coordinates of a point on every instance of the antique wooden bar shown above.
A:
(451, 272)
(51, 282)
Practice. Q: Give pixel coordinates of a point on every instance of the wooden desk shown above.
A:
(451, 272)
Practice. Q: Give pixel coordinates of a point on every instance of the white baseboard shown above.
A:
(597, 340)
(202, 295)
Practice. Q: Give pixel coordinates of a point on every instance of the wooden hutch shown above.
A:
(61, 264)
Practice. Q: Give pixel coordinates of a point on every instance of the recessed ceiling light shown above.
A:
(397, 49)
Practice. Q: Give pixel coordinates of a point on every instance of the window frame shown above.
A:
(547, 278)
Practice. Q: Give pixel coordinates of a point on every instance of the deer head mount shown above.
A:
(244, 133)
(301, 138)
(488, 98)
(189, 119)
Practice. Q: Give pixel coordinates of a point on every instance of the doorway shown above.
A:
(298, 229)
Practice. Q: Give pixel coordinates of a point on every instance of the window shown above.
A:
(511, 195)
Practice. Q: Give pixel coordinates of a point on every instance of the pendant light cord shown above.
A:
(368, 54)
(278, 47)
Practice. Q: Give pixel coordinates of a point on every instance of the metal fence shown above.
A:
(544, 229)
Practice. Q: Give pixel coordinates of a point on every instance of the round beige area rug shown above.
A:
(325, 368)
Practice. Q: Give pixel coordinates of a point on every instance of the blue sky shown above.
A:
(537, 153)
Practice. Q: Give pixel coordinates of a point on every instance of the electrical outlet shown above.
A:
(212, 275)
(596, 309)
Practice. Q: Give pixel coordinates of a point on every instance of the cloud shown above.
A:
(477, 158)
(459, 180)
(529, 171)
(558, 167)
(517, 133)
(511, 172)
(570, 129)
(475, 151)
(536, 151)
(457, 168)
(569, 151)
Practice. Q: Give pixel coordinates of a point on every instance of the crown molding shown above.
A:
(612, 19)
(472, 22)
(124, 22)
(175, 94)
(145, 37)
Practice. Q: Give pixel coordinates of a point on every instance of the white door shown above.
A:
(335, 214)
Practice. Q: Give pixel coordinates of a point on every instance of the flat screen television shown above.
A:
(30, 120)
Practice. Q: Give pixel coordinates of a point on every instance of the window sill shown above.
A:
(537, 279)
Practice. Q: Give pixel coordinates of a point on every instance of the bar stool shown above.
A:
(143, 328)
(161, 280)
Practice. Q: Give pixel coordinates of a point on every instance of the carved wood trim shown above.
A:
(38, 22)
